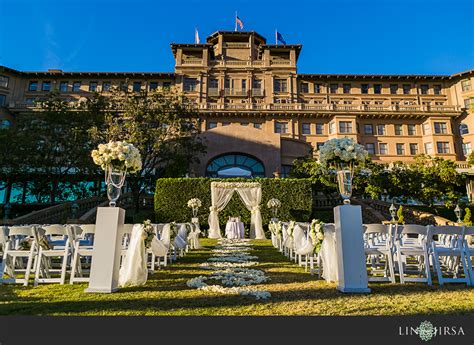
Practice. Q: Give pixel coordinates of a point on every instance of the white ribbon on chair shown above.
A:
(180, 241)
(134, 270)
(193, 236)
(303, 244)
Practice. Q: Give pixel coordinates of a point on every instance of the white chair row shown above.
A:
(50, 251)
(46, 248)
(412, 250)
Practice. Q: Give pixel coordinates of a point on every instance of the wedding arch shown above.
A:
(251, 195)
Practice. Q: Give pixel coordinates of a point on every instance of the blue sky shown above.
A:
(339, 36)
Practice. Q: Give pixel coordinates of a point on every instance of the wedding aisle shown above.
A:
(231, 263)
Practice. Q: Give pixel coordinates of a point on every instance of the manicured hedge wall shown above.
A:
(172, 195)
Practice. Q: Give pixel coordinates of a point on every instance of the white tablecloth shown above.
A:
(234, 230)
(329, 255)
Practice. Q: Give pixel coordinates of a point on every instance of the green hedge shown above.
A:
(172, 195)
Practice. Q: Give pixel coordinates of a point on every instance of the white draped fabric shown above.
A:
(181, 240)
(303, 243)
(220, 197)
(328, 254)
(251, 195)
(193, 236)
(160, 247)
(134, 268)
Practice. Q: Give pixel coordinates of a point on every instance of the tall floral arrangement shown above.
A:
(316, 233)
(274, 204)
(119, 155)
(343, 154)
(339, 151)
(117, 158)
(194, 204)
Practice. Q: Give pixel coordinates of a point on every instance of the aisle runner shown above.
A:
(230, 263)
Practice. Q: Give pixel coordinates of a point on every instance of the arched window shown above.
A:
(463, 129)
(235, 165)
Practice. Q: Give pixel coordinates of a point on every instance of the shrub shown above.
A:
(467, 217)
(172, 195)
(401, 218)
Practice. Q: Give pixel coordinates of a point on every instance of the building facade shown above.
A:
(258, 114)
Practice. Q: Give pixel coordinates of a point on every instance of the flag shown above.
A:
(196, 37)
(239, 22)
(279, 37)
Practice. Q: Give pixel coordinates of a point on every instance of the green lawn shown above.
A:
(294, 292)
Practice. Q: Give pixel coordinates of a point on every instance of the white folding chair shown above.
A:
(379, 244)
(181, 240)
(126, 233)
(13, 254)
(83, 246)
(408, 247)
(449, 245)
(59, 248)
(469, 251)
(162, 246)
(299, 240)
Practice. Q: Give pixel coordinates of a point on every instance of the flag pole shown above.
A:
(276, 37)
(235, 29)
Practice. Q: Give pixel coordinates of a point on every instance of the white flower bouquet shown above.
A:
(173, 230)
(343, 154)
(290, 228)
(119, 155)
(274, 204)
(275, 228)
(149, 232)
(316, 233)
(194, 204)
(335, 152)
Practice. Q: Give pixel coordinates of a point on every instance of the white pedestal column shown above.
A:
(350, 249)
(105, 263)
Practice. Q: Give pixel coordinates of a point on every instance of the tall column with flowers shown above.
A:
(116, 159)
(343, 155)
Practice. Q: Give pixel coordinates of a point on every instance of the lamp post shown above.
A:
(6, 211)
(74, 209)
(393, 212)
(457, 212)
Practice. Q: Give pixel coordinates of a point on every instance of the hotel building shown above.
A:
(258, 114)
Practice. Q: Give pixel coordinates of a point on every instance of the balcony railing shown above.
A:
(280, 62)
(293, 106)
(237, 63)
(213, 91)
(313, 107)
(191, 62)
(235, 92)
(237, 45)
(257, 92)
